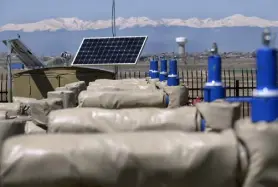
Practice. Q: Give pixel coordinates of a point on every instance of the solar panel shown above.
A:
(24, 53)
(110, 50)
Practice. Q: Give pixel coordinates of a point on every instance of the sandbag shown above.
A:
(121, 87)
(219, 115)
(13, 109)
(95, 120)
(41, 108)
(61, 89)
(32, 128)
(161, 85)
(260, 140)
(178, 95)
(147, 159)
(119, 81)
(68, 97)
(3, 115)
(103, 88)
(11, 127)
(122, 99)
(80, 84)
(26, 103)
(75, 90)
(153, 81)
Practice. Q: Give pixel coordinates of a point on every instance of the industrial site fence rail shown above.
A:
(237, 83)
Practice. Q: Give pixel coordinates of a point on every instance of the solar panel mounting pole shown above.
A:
(9, 69)
(116, 68)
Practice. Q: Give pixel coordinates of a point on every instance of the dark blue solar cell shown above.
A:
(114, 50)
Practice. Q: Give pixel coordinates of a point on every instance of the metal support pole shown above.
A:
(9, 69)
(265, 97)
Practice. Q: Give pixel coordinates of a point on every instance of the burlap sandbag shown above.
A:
(61, 89)
(68, 97)
(121, 87)
(119, 81)
(11, 127)
(153, 81)
(32, 128)
(260, 140)
(12, 109)
(3, 115)
(41, 108)
(219, 115)
(122, 99)
(81, 85)
(26, 104)
(147, 159)
(95, 120)
(161, 85)
(103, 88)
(178, 95)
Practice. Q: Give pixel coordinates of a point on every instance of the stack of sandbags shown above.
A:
(122, 99)
(147, 159)
(219, 115)
(75, 87)
(12, 109)
(26, 103)
(95, 120)
(68, 97)
(41, 108)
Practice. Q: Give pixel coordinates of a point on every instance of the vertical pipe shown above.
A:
(214, 88)
(163, 70)
(173, 73)
(153, 72)
(214, 69)
(265, 102)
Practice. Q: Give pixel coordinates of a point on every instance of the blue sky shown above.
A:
(22, 11)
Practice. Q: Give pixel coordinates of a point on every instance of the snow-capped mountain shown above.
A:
(76, 24)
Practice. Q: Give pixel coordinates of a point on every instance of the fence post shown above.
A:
(237, 88)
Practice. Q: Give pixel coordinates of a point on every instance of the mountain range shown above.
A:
(52, 36)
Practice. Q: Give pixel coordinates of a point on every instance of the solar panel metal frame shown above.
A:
(24, 53)
(111, 64)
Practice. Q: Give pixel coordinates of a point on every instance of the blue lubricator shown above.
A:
(214, 88)
(153, 72)
(173, 73)
(163, 75)
(265, 97)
